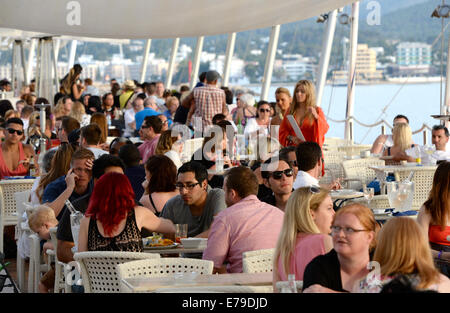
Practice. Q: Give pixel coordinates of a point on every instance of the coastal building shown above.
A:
(296, 67)
(413, 58)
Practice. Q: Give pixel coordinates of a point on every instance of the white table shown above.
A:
(344, 195)
(177, 250)
(149, 284)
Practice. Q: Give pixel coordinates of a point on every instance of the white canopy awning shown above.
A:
(140, 19)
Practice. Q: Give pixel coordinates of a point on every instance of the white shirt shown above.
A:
(97, 152)
(129, 118)
(426, 158)
(252, 126)
(303, 179)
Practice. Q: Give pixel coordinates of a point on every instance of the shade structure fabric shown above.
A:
(140, 19)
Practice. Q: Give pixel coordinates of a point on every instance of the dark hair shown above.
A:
(200, 171)
(155, 122)
(218, 117)
(259, 104)
(5, 105)
(284, 152)
(94, 102)
(103, 162)
(186, 87)
(91, 133)
(401, 116)
(120, 140)
(266, 174)
(164, 174)
(202, 77)
(41, 100)
(47, 159)
(228, 95)
(14, 120)
(69, 124)
(439, 127)
(308, 153)
(242, 180)
(402, 284)
(141, 95)
(26, 111)
(130, 155)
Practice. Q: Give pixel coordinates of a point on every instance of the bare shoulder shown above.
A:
(28, 148)
(444, 284)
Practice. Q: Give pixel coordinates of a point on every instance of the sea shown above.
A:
(373, 103)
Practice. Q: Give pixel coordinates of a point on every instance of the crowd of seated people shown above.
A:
(118, 157)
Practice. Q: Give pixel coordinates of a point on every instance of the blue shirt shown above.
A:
(140, 116)
(57, 187)
(136, 176)
(169, 117)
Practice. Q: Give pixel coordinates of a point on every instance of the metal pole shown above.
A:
(325, 55)
(13, 67)
(30, 59)
(145, 61)
(55, 66)
(73, 52)
(38, 66)
(22, 57)
(352, 70)
(196, 64)
(268, 69)
(173, 56)
(445, 109)
(228, 58)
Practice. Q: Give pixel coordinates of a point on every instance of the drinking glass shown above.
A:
(369, 192)
(180, 232)
(400, 195)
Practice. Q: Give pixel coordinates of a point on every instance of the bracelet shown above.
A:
(439, 255)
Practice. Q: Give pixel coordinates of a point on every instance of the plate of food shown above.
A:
(158, 243)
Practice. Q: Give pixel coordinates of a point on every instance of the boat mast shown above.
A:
(351, 79)
(325, 55)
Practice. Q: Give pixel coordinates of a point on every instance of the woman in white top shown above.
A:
(261, 123)
(78, 112)
(170, 146)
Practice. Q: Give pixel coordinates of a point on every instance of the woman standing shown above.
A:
(113, 222)
(307, 114)
(70, 85)
(353, 231)
(284, 99)
(305, 232)
(261, 123)
(434, 217)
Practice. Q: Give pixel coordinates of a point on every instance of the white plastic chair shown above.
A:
(8, 213)
(21, 198)
(37, 266)
(98, 268)
(258, 261)
(163, 267)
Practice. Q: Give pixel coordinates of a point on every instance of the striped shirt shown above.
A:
(209, 101)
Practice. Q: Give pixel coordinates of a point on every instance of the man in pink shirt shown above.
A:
(149, 132)
(246, 225)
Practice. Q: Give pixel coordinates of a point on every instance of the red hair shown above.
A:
(111, 200)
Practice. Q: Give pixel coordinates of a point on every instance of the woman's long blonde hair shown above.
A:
(77, 111)
(100, 119)
(402, 136)
(165, 142)
(403, 249)
(310, 98)
(70, 79)
(297, 219)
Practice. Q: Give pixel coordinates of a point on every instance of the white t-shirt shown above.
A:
(97, 152)
(303, 179)
(252, 126)
(129, 118)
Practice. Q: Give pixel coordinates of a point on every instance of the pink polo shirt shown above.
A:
(245, 226)
(147, 149)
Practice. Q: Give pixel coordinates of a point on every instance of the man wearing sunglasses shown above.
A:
(277, 175)
(14, 155)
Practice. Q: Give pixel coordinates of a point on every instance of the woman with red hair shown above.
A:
(113, 222)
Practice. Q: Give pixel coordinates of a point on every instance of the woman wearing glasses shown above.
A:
(260, 124)
(307, 114)
(305, 232)
(14, 155)
(353, 232)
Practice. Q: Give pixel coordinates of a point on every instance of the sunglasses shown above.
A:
(264, 110)
(314, 189)
(12, 131)
(278, 174)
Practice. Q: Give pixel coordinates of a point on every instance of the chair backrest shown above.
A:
(21, 198)
(353, 149)
(331, 143)
(359, 168)
(8, 213)
(333, 166)
(163, 267)
(99, 268)
(423, 181)
(258, 261)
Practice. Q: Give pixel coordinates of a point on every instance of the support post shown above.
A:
(270, 59)
(72, 54)
(352, 70)
(228, 58)
(325, 55)
(145, 60)
(196, 64)
(31, 54)
(445, 109)
(173, 56)
(22, 57)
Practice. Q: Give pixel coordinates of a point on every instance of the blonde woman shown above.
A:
(305, 232)
(403, 249)
(284, 99)
(170, 146)
(402, 137)
(78, 112)
(309, 117)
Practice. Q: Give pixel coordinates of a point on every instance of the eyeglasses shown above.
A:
(264, 110)
(12, 131)
(347, 230)
(180, 186)
(277, 174)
